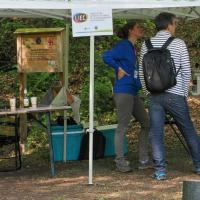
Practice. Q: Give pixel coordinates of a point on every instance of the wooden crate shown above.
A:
(40, 50)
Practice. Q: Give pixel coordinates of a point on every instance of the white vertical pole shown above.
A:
(65, 78)
(91, 109)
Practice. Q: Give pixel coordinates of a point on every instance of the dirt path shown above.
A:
(71, 181)
(33, 182)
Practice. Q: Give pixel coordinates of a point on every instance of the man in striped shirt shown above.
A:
(172, 100)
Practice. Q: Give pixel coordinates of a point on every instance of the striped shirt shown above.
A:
(180, 55)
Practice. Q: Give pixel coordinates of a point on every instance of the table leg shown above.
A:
(65, 138)
(17, 145)
(50, 144)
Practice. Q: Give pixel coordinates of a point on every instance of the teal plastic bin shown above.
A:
(74, 137)
(109, 134)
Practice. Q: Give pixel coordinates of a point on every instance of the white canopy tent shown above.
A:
(121, 8)
(61, 9)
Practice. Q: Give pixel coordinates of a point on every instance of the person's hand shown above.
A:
(122, 73)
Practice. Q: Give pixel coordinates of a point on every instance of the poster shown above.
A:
(92, 21)
(40, 53)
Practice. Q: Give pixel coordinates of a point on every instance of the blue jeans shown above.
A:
(177, 107)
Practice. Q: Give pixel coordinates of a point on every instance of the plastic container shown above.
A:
(109, 134)
(74, 137)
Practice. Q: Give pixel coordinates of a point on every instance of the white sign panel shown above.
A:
(92, 21)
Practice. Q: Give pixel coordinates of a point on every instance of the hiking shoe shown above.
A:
(123, 165)
(159, 176)
(146, 165)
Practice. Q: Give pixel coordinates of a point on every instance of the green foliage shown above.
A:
(79, 58)
(38, 83)
(8, 40)
(189, 32)
(37, 137)
(9, 87)
(102, 98)
(196, 38)
(79, 61)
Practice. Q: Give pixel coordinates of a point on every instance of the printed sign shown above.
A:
(92, 21)
(39, 53)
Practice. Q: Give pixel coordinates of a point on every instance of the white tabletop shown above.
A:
(30, 110)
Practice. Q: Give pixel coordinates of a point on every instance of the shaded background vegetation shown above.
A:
(38, 83)
(28, 181)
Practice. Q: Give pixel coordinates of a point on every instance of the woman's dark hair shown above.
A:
(163, 20)
(123, 32)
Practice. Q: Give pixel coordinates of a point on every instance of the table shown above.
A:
(44, 109)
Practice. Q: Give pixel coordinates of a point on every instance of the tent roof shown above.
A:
(121, 8)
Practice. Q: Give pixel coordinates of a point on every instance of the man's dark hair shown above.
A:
(163, 20)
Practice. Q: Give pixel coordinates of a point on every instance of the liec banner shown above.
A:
(92, 21)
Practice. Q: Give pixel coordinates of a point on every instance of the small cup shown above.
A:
(13, 104)
(34, 102)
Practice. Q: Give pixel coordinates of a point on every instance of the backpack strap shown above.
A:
(148, 44)
(166, 44)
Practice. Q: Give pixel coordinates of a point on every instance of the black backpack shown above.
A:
(99, 142)
(159, 68)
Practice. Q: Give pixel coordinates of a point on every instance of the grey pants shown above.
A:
(128, 106)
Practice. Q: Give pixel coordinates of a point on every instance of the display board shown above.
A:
(40, 51)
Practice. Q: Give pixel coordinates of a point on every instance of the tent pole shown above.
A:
(65, 78)
(91, 109)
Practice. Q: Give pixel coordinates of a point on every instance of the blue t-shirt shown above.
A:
(123, 55)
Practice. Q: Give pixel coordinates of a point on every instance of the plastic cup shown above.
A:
(34, 102)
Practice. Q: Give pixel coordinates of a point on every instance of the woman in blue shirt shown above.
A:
(122, 58)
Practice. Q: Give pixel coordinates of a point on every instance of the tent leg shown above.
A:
(65, 78)
(91, 109)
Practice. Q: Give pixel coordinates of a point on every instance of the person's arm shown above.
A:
(112, 58)
(141, 75)
(185, 68)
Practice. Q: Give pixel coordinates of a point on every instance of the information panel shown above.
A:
(40, 53)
